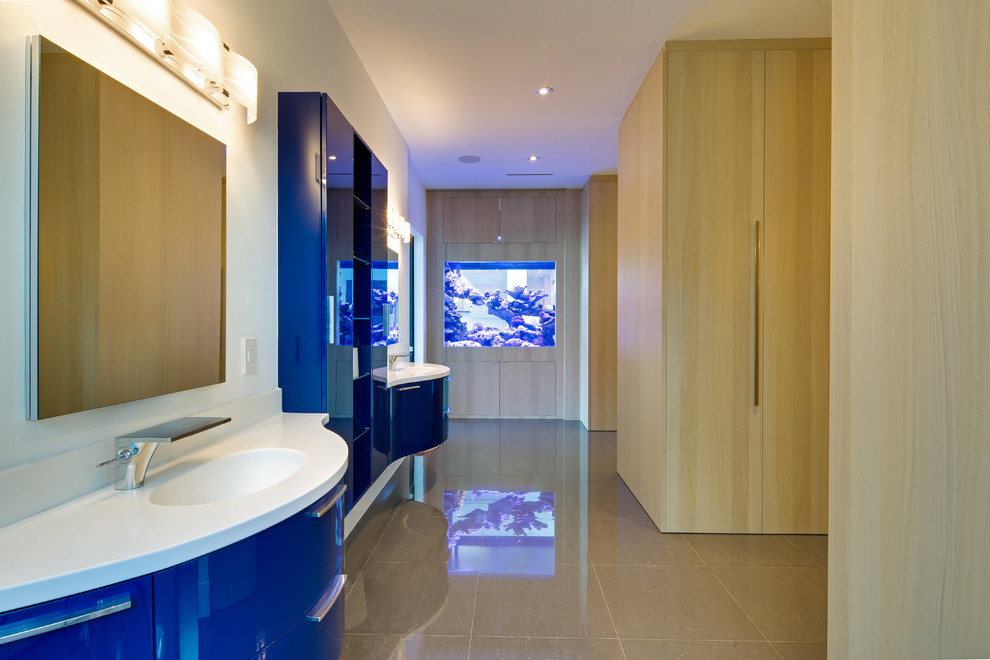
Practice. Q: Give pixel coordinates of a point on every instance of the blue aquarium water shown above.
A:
(384, 303)
(500, 303)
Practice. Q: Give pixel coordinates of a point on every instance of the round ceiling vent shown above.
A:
(470, 159)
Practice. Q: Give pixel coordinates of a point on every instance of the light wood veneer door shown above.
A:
(528, 219)
(795, 292)
(470, 219)
(714, 195)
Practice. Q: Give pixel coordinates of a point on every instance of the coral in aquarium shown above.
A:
(511, 305)
(380, 298)
(345, 332)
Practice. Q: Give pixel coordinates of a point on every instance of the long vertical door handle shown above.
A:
(757, 256)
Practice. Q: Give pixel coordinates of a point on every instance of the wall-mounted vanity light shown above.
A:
(399, 231)
(186, 43)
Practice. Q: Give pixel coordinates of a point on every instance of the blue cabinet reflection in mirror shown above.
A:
(332, 250)
(410, 418)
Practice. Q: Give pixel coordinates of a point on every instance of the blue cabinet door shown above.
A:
(416, 417)
(318, 635)
(109, 623)
(234, 602)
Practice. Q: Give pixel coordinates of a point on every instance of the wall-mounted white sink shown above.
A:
(229, 476)
(411, 372)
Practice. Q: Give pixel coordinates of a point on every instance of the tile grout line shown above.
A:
(804, 552)
(474, 613)
(742, 609)
(608, 609)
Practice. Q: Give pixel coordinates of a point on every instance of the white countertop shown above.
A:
(410, 372)
(114, 535)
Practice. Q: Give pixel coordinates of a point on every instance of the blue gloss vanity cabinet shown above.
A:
(110, 622)
(238, 600)
(412, 417)
(276, 594)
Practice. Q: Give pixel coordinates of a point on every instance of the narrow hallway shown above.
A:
(521, 541)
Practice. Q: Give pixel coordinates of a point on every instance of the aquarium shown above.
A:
(384, 303)
(500, 303)
(500, 532)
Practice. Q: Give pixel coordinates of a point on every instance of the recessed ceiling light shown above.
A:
(533, 159)
(470, 159)
(331, 158)
(544, 91)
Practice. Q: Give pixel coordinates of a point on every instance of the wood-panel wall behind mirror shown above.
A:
(130, 244)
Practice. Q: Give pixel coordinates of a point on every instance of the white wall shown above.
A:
(302, 49)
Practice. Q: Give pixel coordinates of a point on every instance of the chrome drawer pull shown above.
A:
(327, 600)
(40, 625)
(336, 495)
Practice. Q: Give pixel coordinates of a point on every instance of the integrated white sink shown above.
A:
(230, 476)
(410, 372)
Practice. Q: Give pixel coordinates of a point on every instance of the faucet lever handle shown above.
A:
(124, 455)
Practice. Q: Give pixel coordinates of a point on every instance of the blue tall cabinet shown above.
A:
(332, 228)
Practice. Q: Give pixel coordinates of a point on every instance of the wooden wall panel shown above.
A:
(470, 219)
(528, 219)
(640, 384)
(474, 388)
(794, 293)
(602, 312)
(909, 574)
(563, 359)
(714, 195)
(527, 389)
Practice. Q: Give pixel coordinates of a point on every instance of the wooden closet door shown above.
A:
(714, 195)
(795, 292)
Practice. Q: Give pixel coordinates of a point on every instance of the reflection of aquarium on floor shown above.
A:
(500, 533)
(384, 303)
(500, 303)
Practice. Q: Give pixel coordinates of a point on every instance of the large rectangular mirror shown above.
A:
(127, 243)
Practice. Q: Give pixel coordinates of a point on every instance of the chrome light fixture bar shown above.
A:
(399, 230)
(187, 44)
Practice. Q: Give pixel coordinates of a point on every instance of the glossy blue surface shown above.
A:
(333, 212)
(410, 418)
(125, 634)
(234, 602)
(302, 301)
(309, 637)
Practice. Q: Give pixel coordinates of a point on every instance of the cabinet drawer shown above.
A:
(109, 622)
(233, 602)
(318, 634)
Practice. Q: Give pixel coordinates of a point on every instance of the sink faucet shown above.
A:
(392, 359)
(133, 452)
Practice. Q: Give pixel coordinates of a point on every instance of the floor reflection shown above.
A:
(519, 540)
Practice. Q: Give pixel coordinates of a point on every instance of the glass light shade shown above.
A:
(240, 79)
(195, 42)
(147, 19)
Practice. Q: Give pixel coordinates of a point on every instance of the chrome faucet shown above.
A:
(393, 358)
(135, 450)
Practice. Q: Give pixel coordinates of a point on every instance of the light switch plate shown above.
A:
(249, 356)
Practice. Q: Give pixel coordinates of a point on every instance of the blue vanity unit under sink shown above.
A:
(410, 408)
(233, 551)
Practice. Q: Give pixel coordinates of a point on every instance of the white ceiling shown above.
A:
(458, 76)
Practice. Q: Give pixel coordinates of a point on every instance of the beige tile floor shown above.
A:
(604, 584)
